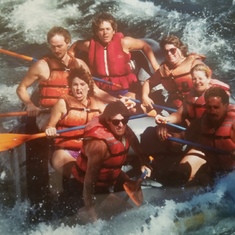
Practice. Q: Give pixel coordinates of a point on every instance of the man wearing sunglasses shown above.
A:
(174, 74)
(107, 140)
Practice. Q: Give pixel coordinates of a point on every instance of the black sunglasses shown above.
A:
(172, 51)
(116, 122)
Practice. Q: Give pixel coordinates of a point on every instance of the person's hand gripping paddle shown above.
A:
(133, 188)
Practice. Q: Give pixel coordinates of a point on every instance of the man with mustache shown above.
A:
(216, 130)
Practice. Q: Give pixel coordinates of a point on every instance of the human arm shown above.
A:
(146, 101)
(96, 152)
(79, 45)
(172, 118)
(162, 130)
(36, 73)
(131, 44)
(58, 110)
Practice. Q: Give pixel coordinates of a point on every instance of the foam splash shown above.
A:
(35, 30)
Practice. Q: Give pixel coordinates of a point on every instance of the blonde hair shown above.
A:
(204, 68)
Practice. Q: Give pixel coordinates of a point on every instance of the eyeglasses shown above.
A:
(116, 122)
(172, 51)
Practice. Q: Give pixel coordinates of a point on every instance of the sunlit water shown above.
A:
(206, 26)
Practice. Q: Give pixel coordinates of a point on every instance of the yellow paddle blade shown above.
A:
(134, 191)
(152, 113)
(9, 140)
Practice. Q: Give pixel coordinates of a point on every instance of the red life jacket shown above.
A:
(220, 138)
(178, 81)
(194, 106)
(56, 85)
(111, 167)
(77, 115)
(113, 67)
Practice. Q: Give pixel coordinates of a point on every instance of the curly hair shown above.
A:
(172, 39)
(100, 18)
(82, 74)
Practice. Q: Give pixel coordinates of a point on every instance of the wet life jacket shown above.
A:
(111, 167)
(77, 115)
(220, 138)
(194, 105)
(56, 85)
(111, 63)
(178, 81)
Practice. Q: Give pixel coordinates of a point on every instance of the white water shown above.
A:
(23, 28)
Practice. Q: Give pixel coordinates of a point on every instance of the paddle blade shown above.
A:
(9, 140)
(152, 113)
(134, 191)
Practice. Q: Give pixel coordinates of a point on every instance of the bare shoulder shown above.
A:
(83, 64)
(82, 45)
(133, 43)
(39, 71)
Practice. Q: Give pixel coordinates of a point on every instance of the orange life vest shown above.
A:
(57, 84)
(220, 138)
(111, 63)
(111, 167)
(178, 81)
(77, 115)
(194, 105)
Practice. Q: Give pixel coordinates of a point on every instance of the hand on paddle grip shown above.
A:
(51, 132)
(146, 171)
(128, 102)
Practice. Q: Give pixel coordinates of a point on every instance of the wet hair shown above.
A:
(100, 18)
(83, 75)
(56, 30)
(172, 39)
(113, 109)
(204, 68)
(217, 92)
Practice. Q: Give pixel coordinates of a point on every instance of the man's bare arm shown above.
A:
(36, 73)
(96, 152)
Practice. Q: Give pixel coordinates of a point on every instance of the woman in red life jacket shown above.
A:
(174, 74)
(75, 109)
(51, 72)
(155, 138)
(194, 103)
(109, 56)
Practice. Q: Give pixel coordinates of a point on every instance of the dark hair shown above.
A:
(217, 92)
(56, 30)
(172, 39)
(83, 75)
(113, 109)
(100, 18)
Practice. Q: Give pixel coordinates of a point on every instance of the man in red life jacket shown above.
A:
(193, 107)
(215, 129)
(107, 139)
(51, 73)
(109, 56)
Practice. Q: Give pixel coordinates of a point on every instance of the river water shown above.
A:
(206, 26)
